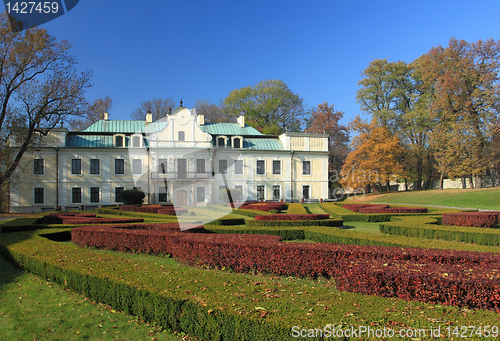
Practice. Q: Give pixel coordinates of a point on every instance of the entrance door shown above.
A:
(182, 198)
(181, 168)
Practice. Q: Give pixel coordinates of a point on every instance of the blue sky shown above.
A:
(192, 50)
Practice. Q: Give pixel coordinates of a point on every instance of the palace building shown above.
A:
(179, 159)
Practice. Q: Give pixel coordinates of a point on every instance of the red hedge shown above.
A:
(441, 276)
(393, 210)
(167, 209)
(264, 206)
(357, 207)
(292, 217)
(477, 219)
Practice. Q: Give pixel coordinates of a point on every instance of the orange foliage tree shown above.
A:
(375, 159)
(325, 120)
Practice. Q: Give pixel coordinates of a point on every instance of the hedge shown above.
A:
(292, 217)
(281, 223)
(228, 221)
(429, 227)
(357, 207)
(75, 218)
(265, 206)
(473, 219)
(372, 210)
(436, 276)
(107, 279)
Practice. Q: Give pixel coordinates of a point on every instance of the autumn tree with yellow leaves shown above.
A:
(376, 158)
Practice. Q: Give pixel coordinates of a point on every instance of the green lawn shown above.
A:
(486, 198)
(34, 309)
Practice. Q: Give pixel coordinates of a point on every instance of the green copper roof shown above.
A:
(130, 127)
(116, 126)
(262, 144)
(91, 141)
(229, 129)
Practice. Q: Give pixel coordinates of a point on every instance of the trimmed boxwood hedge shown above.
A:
(228, 221)
(430, 228)
(281, 223)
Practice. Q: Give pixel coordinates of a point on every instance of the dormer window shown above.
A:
(136, 141)
(237, 142)
(221, 142)
(119, 140)
(181, 136)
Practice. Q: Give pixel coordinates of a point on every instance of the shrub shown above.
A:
(132, 196)
(281, 223)
(478, 219)
(292, 217)
(392, 210)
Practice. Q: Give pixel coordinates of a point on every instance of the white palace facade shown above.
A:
(179, 159)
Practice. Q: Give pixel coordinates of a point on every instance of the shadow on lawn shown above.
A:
(12, 232)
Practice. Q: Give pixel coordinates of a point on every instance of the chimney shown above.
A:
(106, 116)
(200, 119)
(241, 121)
(149, 117)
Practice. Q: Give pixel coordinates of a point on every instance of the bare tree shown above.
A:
(94, 113)
(212, 112)
(39, 88)
(159, 107)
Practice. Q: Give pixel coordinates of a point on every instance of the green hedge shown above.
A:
(228, 221)
(429, 228)
(250, 213)
(281, 223)
(162, 295)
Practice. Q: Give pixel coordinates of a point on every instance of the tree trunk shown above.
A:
(471, 181)
(388, 186)
(464, 182)
(420, 173)
(441, 180)
(479, 180)
(406, 185)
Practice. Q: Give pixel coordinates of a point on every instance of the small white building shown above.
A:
(179, 159)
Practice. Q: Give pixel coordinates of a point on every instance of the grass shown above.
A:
(485, 198)
(34, 309)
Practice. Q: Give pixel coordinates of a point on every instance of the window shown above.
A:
(222, 166)
(222, 192)
(261, 192)
(238, 193)
(162, 194)
(76, 166)
(221, 142)
(237, 142)
(137, 166)
(276, 167)
(119, 141)
(136, 141)
(261, 167)
(181, 136)
(162, 166)
(95, 194)
(200, 194)
(276, 192)
(38, 166)
(95, 166)
(39, 195)
(200, 165)
(119, 166)
(182, 168)
(306, 168)
(305, 192)
(76, 195)
(118, 193)
(238, 166)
